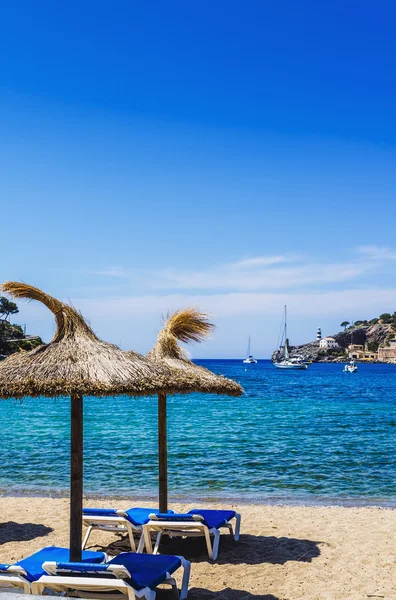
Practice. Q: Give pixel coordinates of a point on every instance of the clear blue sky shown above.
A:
(232, 155)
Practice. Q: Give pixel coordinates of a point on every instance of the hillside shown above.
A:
(12, 337)
(372, 335)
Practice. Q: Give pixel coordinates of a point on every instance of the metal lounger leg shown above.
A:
(157, 542)
(85, 540)
(186, 578)
(172, 582)
(37, 588)
(140, 548)
(131, 538)
(147, 539)
(216, 542)
(237, 526)
(209, 542)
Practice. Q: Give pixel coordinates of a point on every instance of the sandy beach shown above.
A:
(285, 553)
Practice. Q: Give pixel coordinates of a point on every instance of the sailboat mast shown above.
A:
(285, 323)
(248, 351)
(286, 351)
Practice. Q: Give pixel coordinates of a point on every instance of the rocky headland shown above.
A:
(370, 336)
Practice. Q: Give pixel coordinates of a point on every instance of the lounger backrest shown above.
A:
(86, 569)
(176, 517)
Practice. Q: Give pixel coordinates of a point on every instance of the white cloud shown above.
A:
(261, 261)
(257, 277)
(377, 252)
(260, 273)
(366, 301)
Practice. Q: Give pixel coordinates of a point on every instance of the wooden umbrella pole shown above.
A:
(162, 454)
(76, 477)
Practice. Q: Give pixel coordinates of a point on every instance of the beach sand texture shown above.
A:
(285, 553)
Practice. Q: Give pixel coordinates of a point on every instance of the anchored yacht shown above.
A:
(286, 362)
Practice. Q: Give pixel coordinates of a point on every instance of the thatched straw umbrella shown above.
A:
(187, 325)
(76, 363)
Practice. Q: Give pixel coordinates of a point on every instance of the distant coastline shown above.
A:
(371, 341)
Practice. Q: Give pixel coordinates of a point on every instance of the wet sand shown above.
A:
(284, 553)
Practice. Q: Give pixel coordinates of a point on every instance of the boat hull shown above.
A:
(291, 367)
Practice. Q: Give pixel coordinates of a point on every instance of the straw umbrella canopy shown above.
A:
(76, 363)
(187, 325)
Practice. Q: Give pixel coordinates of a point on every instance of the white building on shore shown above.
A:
(328, 343)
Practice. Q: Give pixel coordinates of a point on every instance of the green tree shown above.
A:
(372, 346)
(386, 318)
(345, 324)
(358, 323)
(7, 307)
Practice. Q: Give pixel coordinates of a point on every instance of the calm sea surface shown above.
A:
(306, 436)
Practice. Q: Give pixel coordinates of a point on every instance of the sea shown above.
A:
(317, 437)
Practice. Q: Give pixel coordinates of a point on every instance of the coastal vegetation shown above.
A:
(12, 336)
(370, 334)
(384, 319)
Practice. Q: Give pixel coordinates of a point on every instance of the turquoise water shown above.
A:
(306, 436)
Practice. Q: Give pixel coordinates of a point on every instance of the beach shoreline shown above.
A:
(242, 500)
(285, 552)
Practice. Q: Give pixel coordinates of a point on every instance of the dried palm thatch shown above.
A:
(189, 325)
(76, 361)
(185, 326)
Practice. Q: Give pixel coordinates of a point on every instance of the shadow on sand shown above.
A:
(250, 550)
(227, 594)
(22, 532)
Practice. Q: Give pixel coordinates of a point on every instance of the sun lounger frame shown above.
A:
(118, 523)
(194, 528)
(87, 586)
(15, 577)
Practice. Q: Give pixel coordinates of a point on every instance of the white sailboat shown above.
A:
(250, 360)
(286, 362)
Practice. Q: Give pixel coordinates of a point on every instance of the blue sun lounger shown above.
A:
(118, 521)
(196, 522)
(130, 574)
(24, 572)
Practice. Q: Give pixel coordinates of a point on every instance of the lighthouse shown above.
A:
(319, 334)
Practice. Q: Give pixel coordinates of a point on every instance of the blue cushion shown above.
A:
(137, 516)
(81, 567)
(140, 516)
(33, 564)
(175, 517)
(211, 518)
(214, 518)
(147, 570)
(100, 512)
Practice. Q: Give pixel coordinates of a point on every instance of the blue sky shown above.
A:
(232, 155)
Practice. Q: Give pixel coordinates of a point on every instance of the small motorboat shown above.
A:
(351, 367)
